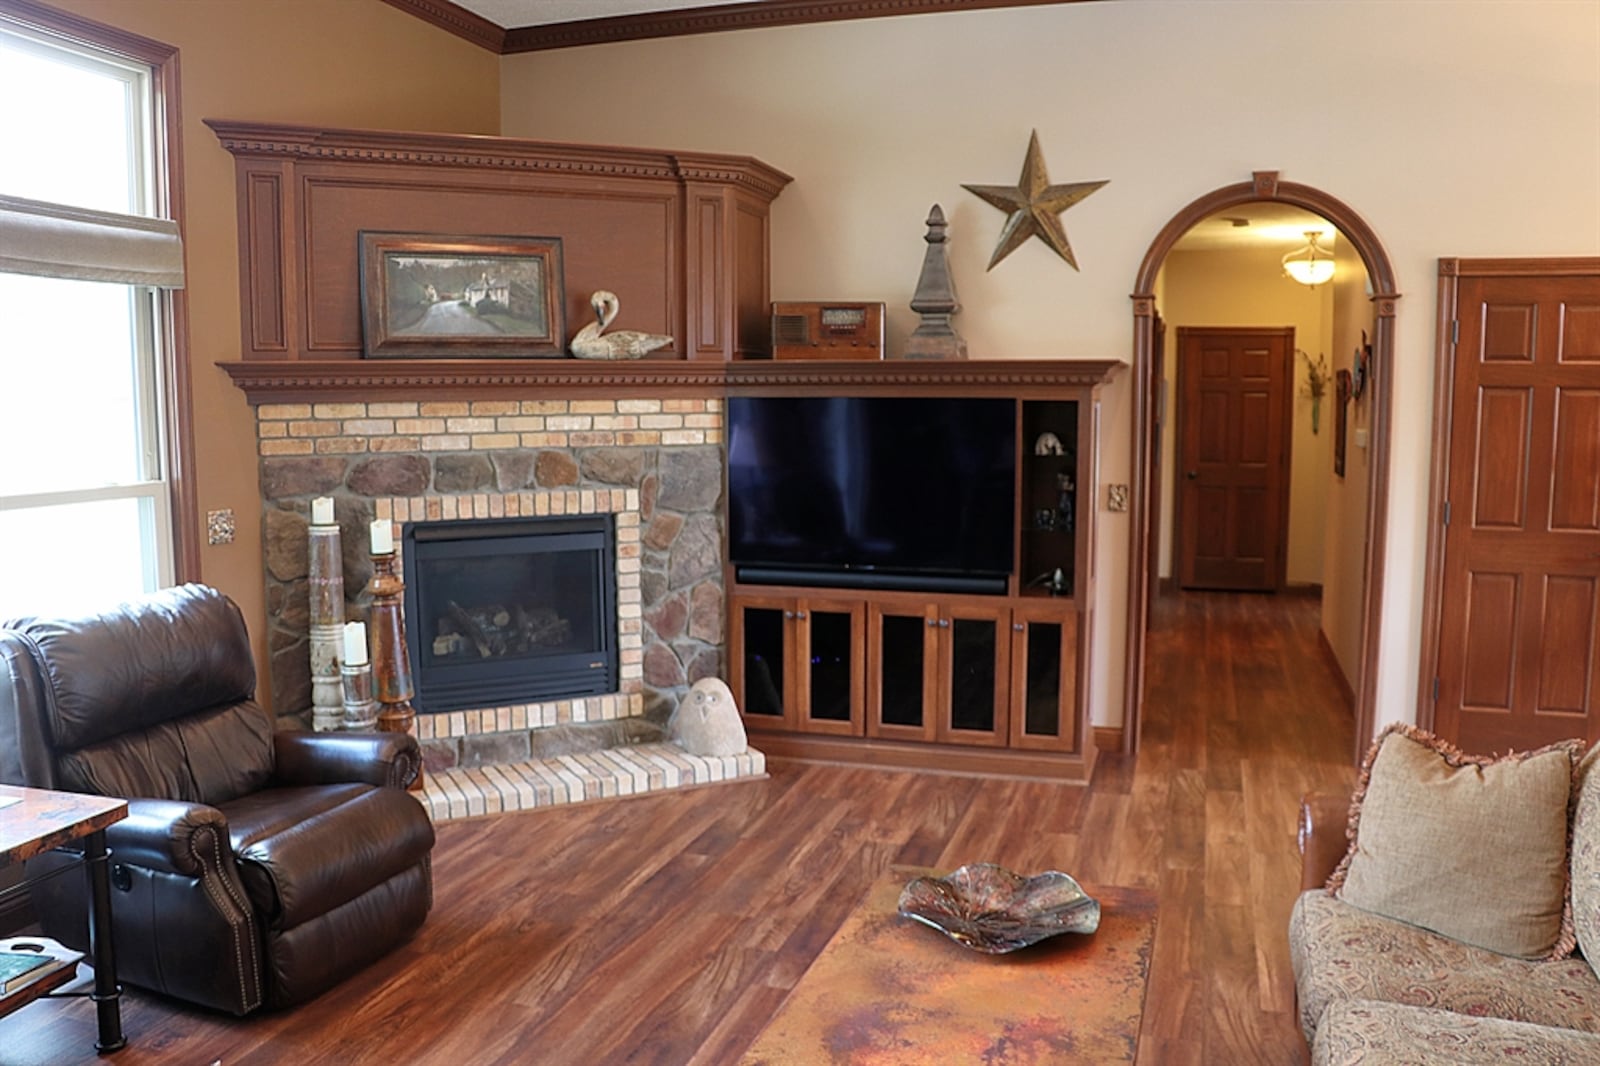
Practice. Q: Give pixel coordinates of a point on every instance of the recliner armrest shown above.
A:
(392, 759)
(172, 836)
(1324, 836)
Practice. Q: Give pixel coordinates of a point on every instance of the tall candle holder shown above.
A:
(391, 662)
(327, 617)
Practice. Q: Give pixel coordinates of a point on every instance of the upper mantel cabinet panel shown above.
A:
(681, 238)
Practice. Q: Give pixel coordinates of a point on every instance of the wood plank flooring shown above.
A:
(667, 929)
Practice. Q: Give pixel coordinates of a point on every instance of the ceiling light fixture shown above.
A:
(1310, 265)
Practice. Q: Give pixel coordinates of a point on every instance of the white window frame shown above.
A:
(142, 251)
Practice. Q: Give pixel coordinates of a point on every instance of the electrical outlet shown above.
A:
(1116, 497)
(219, 526)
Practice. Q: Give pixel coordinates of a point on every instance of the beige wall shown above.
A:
(1347, 496)
(341, 63)
(1453, 129)
(1248, 288)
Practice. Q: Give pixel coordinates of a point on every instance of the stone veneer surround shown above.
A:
(655, 462)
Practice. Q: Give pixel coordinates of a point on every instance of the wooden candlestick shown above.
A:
(391, 662)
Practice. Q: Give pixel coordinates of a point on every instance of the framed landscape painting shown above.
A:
(429, 296)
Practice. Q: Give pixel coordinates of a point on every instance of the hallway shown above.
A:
(1242, 715)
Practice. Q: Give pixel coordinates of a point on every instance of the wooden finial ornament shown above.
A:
(935, 299)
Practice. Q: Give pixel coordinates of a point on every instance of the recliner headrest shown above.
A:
(167, 655)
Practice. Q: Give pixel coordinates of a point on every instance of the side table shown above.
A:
(35, 820)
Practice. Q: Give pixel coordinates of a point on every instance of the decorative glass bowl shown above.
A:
(990, 909)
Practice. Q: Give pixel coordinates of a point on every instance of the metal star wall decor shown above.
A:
(1033, 206)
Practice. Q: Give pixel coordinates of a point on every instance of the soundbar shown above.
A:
(972, 584)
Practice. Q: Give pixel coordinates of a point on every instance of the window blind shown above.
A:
(58, 241)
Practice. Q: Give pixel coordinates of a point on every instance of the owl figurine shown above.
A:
(707, 722)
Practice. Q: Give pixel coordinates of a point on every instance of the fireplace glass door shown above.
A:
(511, 611)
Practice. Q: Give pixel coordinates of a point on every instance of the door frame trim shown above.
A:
(1451, 271)
(1264, 186)
(1280, 562)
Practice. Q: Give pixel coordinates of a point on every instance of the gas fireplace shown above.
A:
(509, 611)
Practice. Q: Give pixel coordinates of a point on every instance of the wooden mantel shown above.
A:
(681, 237)
(383, 379)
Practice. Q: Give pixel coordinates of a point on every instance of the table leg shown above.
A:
(107, 993)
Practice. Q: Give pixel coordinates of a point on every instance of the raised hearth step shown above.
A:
(624, 771)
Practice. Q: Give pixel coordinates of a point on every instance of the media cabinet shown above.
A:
(931, 680)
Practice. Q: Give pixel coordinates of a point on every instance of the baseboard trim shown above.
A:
(1060, 767)
(1346, 693)
(1108, 738)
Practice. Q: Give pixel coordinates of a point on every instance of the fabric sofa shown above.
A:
(1374, 989)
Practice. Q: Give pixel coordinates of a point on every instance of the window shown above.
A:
(87, 349)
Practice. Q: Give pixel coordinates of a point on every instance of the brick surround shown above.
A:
(656, 463)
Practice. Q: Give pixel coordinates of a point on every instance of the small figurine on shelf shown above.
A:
(1066, 503)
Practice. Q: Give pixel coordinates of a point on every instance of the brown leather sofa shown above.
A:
(254, 868)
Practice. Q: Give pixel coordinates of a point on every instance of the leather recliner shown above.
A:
(254, 867)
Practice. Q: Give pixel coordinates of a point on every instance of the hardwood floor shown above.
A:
(667, 929)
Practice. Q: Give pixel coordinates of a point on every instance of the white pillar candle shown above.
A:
(322, 511)
(355, 643)
(382, 537)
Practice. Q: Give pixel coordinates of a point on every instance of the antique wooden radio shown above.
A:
(827, 330)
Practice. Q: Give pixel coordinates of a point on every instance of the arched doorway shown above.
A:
(1264, 186)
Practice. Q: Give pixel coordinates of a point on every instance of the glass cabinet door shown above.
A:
(1044, 658)
(828, 645)
(973, 675)
(759, 655)
(903, 645)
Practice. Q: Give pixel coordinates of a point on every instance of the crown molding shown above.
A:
(509, 153)
(308, 381)
(772, 13)
(453, 18)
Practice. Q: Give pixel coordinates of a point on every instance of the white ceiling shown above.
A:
(511, 14)
(1264, 223)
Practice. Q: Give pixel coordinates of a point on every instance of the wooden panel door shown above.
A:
(1233, 457)
(1519, 599)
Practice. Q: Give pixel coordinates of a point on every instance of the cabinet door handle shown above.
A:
(800, 615)
(788, 614)
(944, 623)
(1018, 626)
(933, 623)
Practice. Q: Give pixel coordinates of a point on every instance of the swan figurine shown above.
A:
(592, 342)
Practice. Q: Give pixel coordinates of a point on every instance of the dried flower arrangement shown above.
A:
(1316, 385)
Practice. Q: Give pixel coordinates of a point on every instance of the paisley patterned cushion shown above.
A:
(1372, 1033)
(1342, 953)
(1586, 855)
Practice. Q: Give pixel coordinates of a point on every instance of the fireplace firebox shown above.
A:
(510, 611)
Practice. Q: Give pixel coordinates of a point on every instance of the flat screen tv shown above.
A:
(875, 492)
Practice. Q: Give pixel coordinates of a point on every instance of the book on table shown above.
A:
(25, 960)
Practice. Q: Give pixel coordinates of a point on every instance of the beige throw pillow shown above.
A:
(1470, 847)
